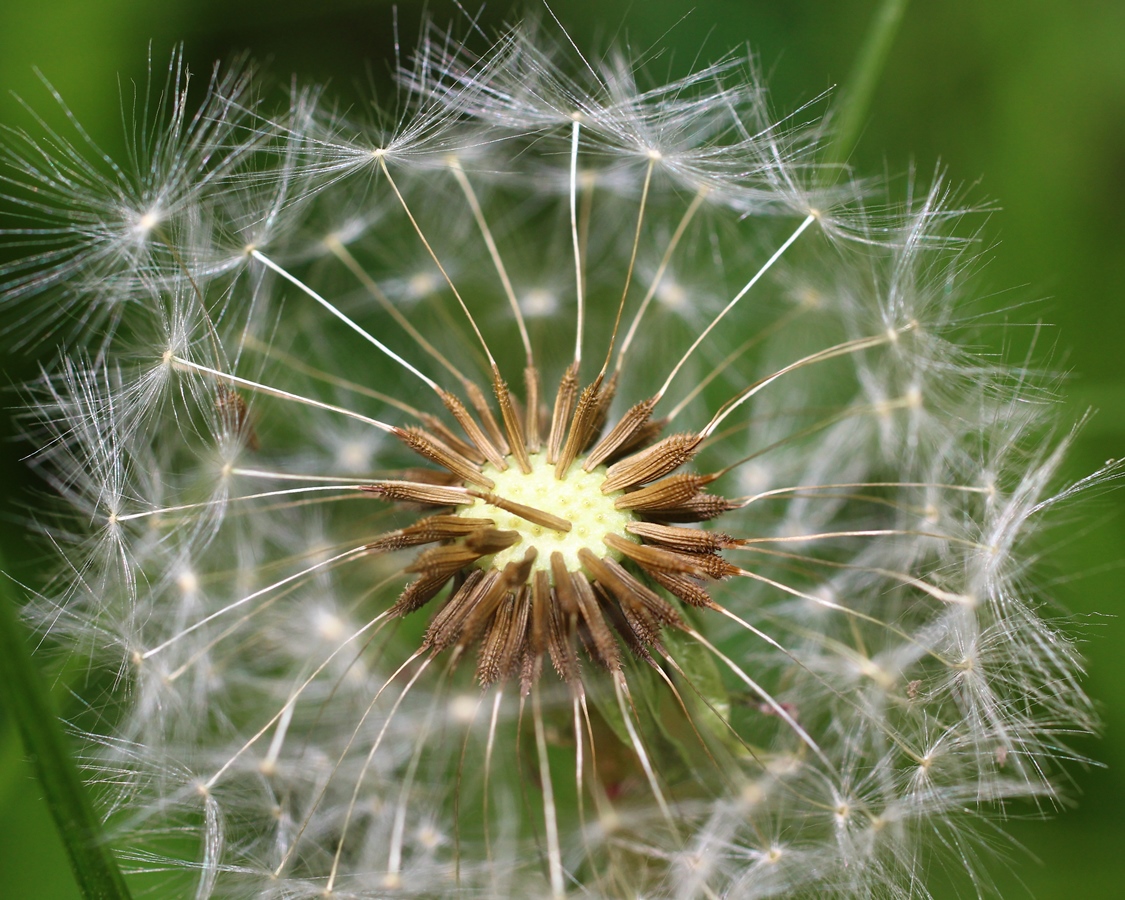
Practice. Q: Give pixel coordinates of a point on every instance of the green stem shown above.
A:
(24, 695)
(855, 97)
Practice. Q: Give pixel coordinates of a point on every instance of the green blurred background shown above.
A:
(1022, 99)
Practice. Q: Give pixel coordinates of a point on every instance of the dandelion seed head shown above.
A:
(546, 489)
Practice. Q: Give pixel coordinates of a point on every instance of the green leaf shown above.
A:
(704, 692)
(24, 695)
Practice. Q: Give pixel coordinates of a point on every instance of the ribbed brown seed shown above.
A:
(530, 669)
(428, 531)
(595, 630)
(446, 625)
(541, 603)
(480, 403)
(492, 644)
(436, 565)
(438, 429)
(691, 540)
(652, 462)
(428, 476)
(581, 427)
(472, 430)
(514, 651)
(487, 541)
(684, 588)
(716, 566)
(562, 626)
(529, 513)
(564, 653)
(419, 592)
(447, 558)
(630, 593)
(514, 576)
(601, 414)
(564, 406)
(418, 492)
(511, 421)
(505, 644)
(574, 593)
(563, 593)
(531, 410)
(633, 421)
(699, 508)
(661, 559)
(646, 435)
(633, 624)
(668, 493)
(232, 408)
(432, 449)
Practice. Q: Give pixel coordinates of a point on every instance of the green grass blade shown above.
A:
(24, 695)
(855, 97)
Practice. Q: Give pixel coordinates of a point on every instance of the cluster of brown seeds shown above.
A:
(516, 612)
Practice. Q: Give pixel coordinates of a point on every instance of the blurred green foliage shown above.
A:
(1021, 100)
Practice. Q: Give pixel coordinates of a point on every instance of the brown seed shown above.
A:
(428, 476)
(511, 421)
(447, 558)
(636, 628)
(232, 409)
(605, 401)
(472, 430)
(561, 641)
(471, 621)
(446, 625)
(564, 406)
(646, 435)
(514, 577)
(628, 590)
(700, 508)
(531, 410)
(438, 429)
(576, 597)
(659, 559)
(541, 603)
(492, 644)
(430, 447)
(428, 531)
(480, 403)
(684, 588)
(693, 540)
(668, 493)
(624, 431)
(433, 578)
(529, 513)
(510, 626)
(652, 462)
(581, 427)
(418, 492)
(595, 632)
(487, 541)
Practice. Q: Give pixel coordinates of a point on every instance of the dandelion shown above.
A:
(551, 490)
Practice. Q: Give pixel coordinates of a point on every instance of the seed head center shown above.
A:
(578, 498)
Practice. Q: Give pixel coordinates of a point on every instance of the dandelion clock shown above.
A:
(565, 484)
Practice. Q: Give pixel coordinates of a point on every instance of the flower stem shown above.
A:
(855, 97)
(25, 697)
